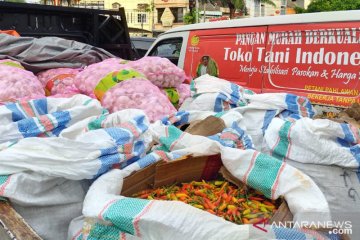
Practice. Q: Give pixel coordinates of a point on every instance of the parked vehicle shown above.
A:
(315, 55)
(141, 45)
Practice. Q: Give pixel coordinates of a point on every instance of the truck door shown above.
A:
(229, 53)
(320, 61)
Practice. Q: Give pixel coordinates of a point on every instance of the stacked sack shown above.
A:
(59, 82)
(87, 79)
(118, 86)
(138, 93)
(160, 71)
(164, 74)
(16, 83)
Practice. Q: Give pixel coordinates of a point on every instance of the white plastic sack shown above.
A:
(319, 141)
(43, 117)
(214, 94)
(109, 214)
(329, 153)
(47, 204)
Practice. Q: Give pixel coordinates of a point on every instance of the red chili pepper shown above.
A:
(256, 198)
(144, 195)
(199, 193)
(268, 203)
(217, 202)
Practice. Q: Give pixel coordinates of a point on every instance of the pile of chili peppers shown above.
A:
(238, 205)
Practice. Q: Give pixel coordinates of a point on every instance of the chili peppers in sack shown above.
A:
(238, 205)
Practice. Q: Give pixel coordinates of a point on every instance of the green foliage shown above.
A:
(299, 10)
(190, 17)
(333, 5)
(16, 1)
(239, 4)
(268, 2)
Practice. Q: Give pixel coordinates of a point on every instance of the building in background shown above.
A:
(254, 8)
(283, 7)
(297, 3)
(139, 15)
(211, 12)
(169, 14)
(94, 4)
(300, 3)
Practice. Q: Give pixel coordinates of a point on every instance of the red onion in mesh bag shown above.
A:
(184, 92)
(59, 81)
(18, 83)
(87, 79)
(12, 63)
(160, 71)
(139, 94)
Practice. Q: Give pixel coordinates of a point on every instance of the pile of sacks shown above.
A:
(264, 135)
(265, 144)
(122, 85)
(152, 84)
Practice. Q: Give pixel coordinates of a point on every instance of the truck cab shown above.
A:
(315, 55)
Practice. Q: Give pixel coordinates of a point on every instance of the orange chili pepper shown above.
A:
(181, 195)
(210, 211)
(209, 203)
(254, 220)
(224, 186)
(222, 206)
(245, 221)
(183, 199)
(224, 196)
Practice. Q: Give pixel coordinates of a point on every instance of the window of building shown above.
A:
(160, 12)
(178, 14)
(262, 7)
(283, 7)
(283, 10)
(141, 18)
(257, 8)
